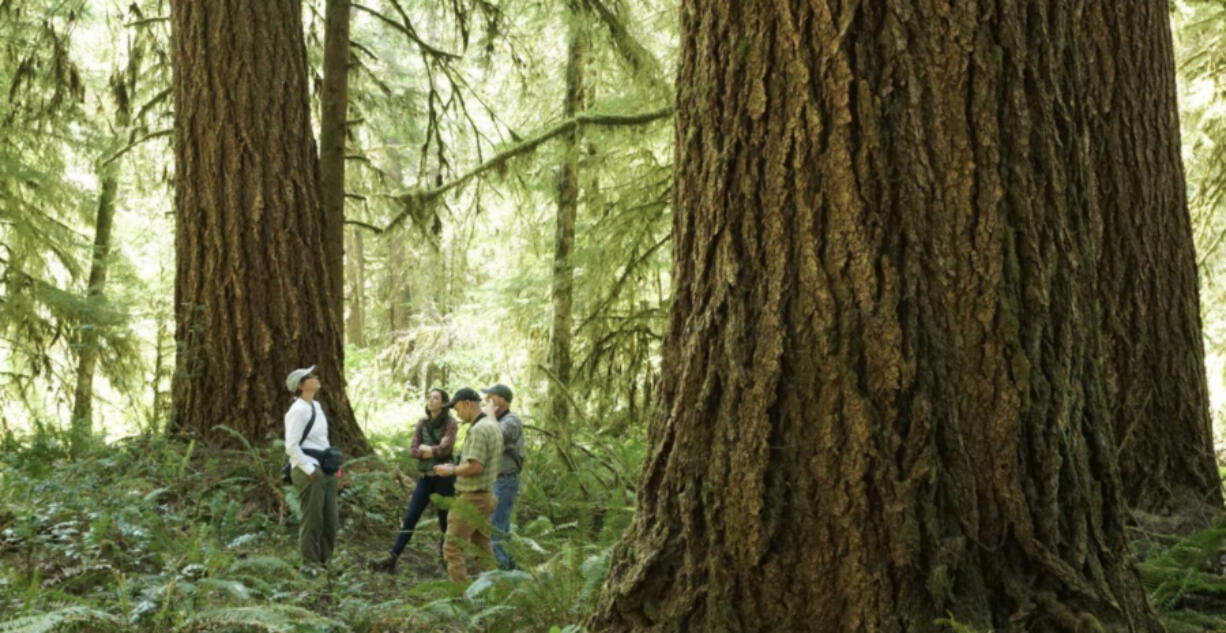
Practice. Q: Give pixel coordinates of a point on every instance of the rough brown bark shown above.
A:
(560, 334)
(1156, 381)
(333, 108)
(884, 396)
(252, 279)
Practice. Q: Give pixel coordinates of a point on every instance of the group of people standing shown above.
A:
(484, 478)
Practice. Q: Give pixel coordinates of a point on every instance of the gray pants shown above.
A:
(317, 496)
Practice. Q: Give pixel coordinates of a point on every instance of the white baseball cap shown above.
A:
(295, 378)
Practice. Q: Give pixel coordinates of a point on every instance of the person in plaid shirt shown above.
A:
(480, 460)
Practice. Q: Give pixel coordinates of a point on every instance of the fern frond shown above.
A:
(270, 618)
(65, 619)
(266, 567)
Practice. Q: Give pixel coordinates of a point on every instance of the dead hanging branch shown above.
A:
(415, 200)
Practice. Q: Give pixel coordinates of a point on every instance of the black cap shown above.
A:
(464, 395)
(499, 390)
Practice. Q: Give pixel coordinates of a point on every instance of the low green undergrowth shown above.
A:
(1184, 578)
(158, 535)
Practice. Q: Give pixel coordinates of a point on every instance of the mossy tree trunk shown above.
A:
(885, 397)
(123, 85)
(561, 335)
(88, 347)
(253, 281)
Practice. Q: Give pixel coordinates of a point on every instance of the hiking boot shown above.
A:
(387, 564)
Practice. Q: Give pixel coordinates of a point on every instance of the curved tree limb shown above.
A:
(408, 31)
(415, 199)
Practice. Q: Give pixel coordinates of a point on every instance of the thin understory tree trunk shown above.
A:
(355, 330)
(123, 84)
(87, 358)
(334, 106)
(564, 237)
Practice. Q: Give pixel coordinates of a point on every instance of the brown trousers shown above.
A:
(460, 529)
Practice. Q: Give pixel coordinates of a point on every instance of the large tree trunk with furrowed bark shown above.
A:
(253, 287)
(1156, 383)
(885, 398)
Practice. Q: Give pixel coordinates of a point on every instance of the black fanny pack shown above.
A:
(330, 459)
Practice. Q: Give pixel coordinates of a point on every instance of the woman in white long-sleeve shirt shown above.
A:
(316, 489)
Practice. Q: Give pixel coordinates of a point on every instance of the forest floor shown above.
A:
(156, 535)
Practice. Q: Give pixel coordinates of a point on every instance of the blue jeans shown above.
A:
(505, 489)
(443, 486)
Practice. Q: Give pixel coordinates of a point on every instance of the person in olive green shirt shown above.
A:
(480, 460)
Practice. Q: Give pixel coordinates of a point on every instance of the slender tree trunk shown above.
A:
(397, 285)
(253, 280)
(333, 110)
(87, 358)
(884, 395)
(160, 398)
(1156, 382)
(564, 237)
(356, 329)
(122, 86)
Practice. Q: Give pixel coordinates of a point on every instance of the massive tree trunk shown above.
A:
(884, 393)
(1156, 382)
(252, 282)
(564, 236)
(333, 108)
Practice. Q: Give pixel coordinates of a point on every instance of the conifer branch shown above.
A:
(129, 146)
(635, 54)
(621, 281)
(415, 199)
(408, 31)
